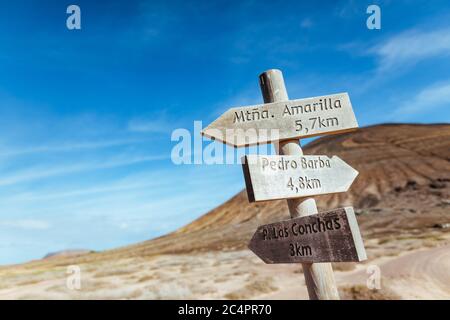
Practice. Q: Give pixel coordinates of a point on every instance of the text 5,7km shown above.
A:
(316, 123)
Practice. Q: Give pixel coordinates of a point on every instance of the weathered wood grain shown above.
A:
(331, 236)
(283, 120)
(319, 278)
(270, 177)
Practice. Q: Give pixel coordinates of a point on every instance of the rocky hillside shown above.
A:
(402, 201)
(404, 173)
(388, 157)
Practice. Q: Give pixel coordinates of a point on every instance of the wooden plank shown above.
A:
(319, 278)
(331, 236)
(270, 177)
(283, 120)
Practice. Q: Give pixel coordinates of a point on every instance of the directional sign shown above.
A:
(292, 119)
(271, 177)
(331, 236)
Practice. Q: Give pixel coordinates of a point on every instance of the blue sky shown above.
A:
(86, 116)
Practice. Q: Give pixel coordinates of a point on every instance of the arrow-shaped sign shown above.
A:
(271, 177)
(331, 236)
(292, 119)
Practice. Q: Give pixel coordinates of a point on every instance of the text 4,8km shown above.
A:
(316, 123)
(303, 183)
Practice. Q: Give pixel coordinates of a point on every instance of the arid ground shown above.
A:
(402, 201)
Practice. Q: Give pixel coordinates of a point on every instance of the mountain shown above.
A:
(398, 164)
(66, 253)
(401, 198)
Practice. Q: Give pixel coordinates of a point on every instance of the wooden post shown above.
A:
(319, 277)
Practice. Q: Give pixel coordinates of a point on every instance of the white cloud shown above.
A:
(40, 172)
(66, 147)
(26, 224)
(139, 181)
(306, 23)
(150, 126)
(163, 122)
(347, 9)
(428, 99)
(411, 47)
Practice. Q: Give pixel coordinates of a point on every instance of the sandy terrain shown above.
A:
(417, 274)
(402, 201)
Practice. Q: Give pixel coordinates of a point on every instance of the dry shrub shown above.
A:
(361, 292)
(344, 266)
(113, 272)
(254, 288)
(146, 278)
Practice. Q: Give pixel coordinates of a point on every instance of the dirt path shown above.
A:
(421, 274)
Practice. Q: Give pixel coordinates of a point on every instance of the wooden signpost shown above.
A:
(292, 119)
(331, 236)
(309, 238)
(284, 177)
